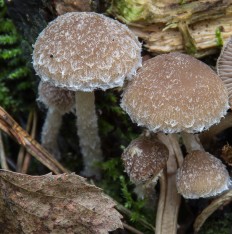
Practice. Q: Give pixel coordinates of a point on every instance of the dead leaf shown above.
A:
(63, 203)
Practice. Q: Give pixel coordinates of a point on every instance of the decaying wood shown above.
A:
(197, 27)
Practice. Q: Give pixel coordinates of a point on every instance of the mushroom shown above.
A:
(175, 92)
(58, 101)
(144, 159)
(224, 67)
(202, 175)
(85, 51)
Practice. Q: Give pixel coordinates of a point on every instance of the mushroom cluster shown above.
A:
(82, 52)
(176, 93)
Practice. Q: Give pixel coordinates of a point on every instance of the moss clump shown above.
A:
(15, 84)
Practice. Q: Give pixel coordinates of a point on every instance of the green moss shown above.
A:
(15, 77)
(130, 10)
(219, 39)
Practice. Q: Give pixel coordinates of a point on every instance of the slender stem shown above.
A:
(161, 203)
(191, 142)
(50, 131)
(168, 208)
(88, 132)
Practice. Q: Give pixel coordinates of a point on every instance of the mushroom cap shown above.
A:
(202, 175)
(175, 92)
(224, 67)
(144, 159)
(86, 51)
(55, 97)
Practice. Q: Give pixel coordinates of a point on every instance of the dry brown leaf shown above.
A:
(63, 203)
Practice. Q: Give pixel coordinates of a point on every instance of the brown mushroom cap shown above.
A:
(175, 92)
(86, 51)
(224, 67)
(144, 159)
(202, 175)
(55, 97)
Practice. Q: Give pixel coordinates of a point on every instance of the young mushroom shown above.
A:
(85, 51)
(144, 160)
(202, 175)
(58, 102)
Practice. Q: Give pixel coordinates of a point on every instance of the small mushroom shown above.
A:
(224, 67)
(144, 159)
(85, 51)
(202, 175)
(58, 101)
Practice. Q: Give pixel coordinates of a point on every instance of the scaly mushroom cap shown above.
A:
(86, 51)
(55, 97)
(202, 175)
(175, 92)
(224, 67)
(144, 159)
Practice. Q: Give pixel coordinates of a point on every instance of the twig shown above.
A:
(214, 205)
(131, 229)
(22, 150)
(32, 146)
(27, 157)
(2, 154)
(128, 213)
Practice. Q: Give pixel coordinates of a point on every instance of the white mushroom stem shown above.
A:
(89, 139)
(169, 200)
(50, 131)
(191, 142)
